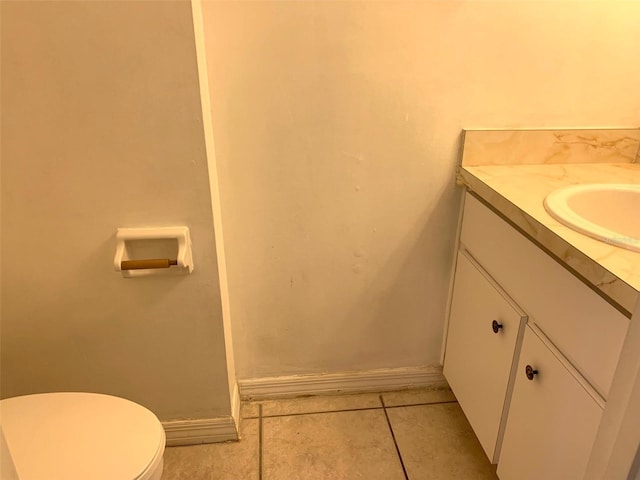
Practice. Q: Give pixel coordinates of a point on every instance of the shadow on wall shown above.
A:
(408, 292)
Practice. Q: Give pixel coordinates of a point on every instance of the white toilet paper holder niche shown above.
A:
(177, 259)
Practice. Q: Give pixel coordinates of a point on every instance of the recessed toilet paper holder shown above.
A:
(171, 242)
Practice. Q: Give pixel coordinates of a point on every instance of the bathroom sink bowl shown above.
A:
(607, 212)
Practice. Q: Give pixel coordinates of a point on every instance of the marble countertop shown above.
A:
(518, 191)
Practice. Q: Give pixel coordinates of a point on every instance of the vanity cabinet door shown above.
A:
(484, 326)
(575, 319)
(553, 417)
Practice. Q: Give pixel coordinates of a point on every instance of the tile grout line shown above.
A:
(260, 441)
(351, 409)
(444, 402)
(393, 436)
(294, 414)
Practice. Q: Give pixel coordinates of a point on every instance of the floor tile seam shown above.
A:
(421, 404)
(319, 412)
(316, 412)
(393, 437)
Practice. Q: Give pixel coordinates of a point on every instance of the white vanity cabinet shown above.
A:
(553, 418)
(483, 334)
(542, 428)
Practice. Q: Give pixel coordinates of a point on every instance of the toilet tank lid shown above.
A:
(72, 435)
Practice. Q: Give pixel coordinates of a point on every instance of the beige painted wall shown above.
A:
(337, 130)
(102, 128)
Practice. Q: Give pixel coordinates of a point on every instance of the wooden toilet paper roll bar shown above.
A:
(146, 264)
(126, 257)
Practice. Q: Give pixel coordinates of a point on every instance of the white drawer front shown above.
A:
(587, 330)
(478, 360)
(552, 421)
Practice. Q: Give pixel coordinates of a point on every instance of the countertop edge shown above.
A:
(614, 290)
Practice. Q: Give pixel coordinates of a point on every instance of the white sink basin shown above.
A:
(607, 212)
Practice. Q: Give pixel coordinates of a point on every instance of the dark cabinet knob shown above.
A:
(530, 372)
(496, 326)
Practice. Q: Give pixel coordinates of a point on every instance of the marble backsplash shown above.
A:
(522, 147)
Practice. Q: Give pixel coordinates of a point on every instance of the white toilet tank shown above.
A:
(73, 436)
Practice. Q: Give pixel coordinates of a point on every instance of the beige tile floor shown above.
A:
(417, 434)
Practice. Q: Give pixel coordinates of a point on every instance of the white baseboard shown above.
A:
(204, 430)
(224, 429)
(347, 382)
(235, 405)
